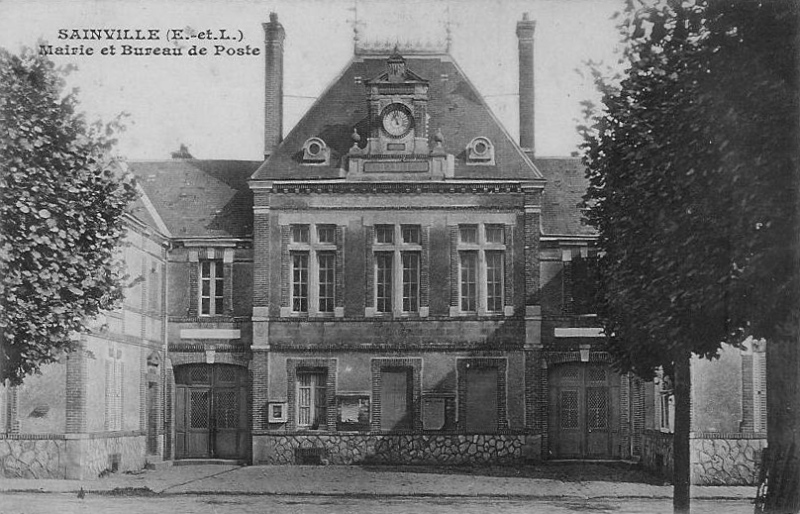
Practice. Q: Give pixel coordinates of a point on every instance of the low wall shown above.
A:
(79, 456)
(108, 453)
(657, 452)
(726, 460)
(33, 458)
(388, 449)
(716, 458)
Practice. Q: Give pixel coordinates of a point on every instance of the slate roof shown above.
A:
(140, 212)
(198, 198)
(564, 190)
(454, 105)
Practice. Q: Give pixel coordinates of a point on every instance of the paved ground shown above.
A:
(68, 503)
(577, 481)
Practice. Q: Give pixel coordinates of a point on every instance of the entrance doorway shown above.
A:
(584, 411)
(211, 412)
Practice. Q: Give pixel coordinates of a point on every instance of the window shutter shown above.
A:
(339, 272)
(481, 399)
(395, 400)
(455, 282)
(509, 266)
(285, 278)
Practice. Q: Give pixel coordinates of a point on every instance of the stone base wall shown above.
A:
(390, 449)
(104, 454)
(657, 452)
(716, 459)
(77, 457)
(725, 461)
(33, 458)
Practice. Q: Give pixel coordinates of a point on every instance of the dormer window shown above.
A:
(480, 152)
(315, 151)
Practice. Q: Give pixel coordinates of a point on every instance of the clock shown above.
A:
(396, 120)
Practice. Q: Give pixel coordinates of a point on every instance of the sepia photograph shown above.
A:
(519, 256)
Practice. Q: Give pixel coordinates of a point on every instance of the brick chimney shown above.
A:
(525, 29)
(273, 84)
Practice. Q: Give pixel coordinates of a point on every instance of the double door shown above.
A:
(584, 411)
(211, 412)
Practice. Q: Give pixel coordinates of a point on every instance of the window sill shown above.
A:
(370, 312)
(338, 312)
(507, 311)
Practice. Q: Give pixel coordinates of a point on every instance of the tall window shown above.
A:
(481, 253)
(113, 390)
(326, 268)
(494, 280)
(212, 282)
(312, 251)
(383, 283)
(398, 250)
(300, 281)
(469, 280)
(311, 400)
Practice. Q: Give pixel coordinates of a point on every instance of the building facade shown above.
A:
(100, 408)
(398, 281)
(729, 418)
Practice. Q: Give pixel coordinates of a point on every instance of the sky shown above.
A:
(214, 104)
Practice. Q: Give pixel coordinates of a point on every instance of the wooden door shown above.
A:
(583, 412)
(211, 412)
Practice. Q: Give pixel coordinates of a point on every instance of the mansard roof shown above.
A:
(454, 105)
(563, 192)
(198, 198)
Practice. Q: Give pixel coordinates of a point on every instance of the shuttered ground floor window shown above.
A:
(396, 399)
(481, 400)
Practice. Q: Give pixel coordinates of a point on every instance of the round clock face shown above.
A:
(396, 120)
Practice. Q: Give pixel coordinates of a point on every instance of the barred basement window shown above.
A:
(212, 284)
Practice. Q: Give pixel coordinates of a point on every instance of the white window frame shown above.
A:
(481, 246)
(319, 381)
(313, 248)
(397, 248)
(212, 279)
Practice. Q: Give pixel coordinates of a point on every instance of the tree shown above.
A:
(690, 166)
(61, 216)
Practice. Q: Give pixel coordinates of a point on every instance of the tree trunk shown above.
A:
(782, 480)
(780, 475)
(681, 473)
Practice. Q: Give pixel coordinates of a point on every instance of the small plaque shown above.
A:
(396, 147)
(353, 412)
(277, 413)
(397, 167)
(433, 413)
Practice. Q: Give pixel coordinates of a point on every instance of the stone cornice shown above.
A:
(449, 187)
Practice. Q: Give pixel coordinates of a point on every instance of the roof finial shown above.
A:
(356, 26)
(448, 30)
